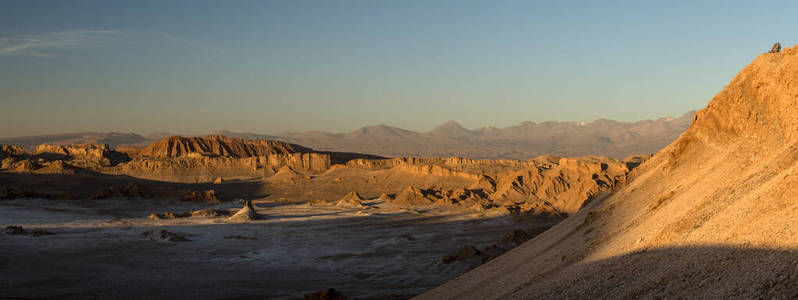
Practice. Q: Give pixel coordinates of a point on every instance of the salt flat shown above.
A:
(97, 250)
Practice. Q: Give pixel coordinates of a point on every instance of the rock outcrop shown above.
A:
(10, 151)
(543, 186)
(413, 196)
(216, 145)
(247, 213)
(351, 200)
(81, 155)
(58, 159)
(383, 198)
(198, 168)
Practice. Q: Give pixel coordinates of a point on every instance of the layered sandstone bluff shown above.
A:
(710, 216)
(216, 145)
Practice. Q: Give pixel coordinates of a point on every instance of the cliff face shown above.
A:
(718, 204)
(215, 145)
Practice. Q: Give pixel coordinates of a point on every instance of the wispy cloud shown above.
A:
(53, 43)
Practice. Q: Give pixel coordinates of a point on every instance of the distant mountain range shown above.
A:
(523, 141)
(113, 139)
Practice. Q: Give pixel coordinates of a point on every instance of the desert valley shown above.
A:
(241, 150)
(185, 214)
(371, 226)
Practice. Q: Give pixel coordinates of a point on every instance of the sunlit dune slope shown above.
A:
(712, 215)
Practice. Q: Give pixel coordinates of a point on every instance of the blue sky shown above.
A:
(193, 67)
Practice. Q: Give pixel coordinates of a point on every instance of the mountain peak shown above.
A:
(451, 128)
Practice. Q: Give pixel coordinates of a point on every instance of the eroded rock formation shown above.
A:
(247, 213)
(545, 185)
(216, 145)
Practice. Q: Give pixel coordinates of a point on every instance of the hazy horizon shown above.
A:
(194, 67)
(145, 134)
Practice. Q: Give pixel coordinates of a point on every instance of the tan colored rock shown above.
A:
(413, 196)
(216, 145)
(26, 166)
(498, 212)
(351, 200)
(11, 151)
(478, 208)
(717, 206)
(384, 198)
(285, 173)
(247, 213)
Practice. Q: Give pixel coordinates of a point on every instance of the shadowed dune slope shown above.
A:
(711, 215)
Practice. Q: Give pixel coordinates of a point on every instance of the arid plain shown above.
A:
(184, 216)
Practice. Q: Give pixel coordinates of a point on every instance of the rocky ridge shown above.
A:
(717, 204)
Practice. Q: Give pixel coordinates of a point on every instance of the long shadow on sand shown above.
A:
(699, 272)
(84, 183)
